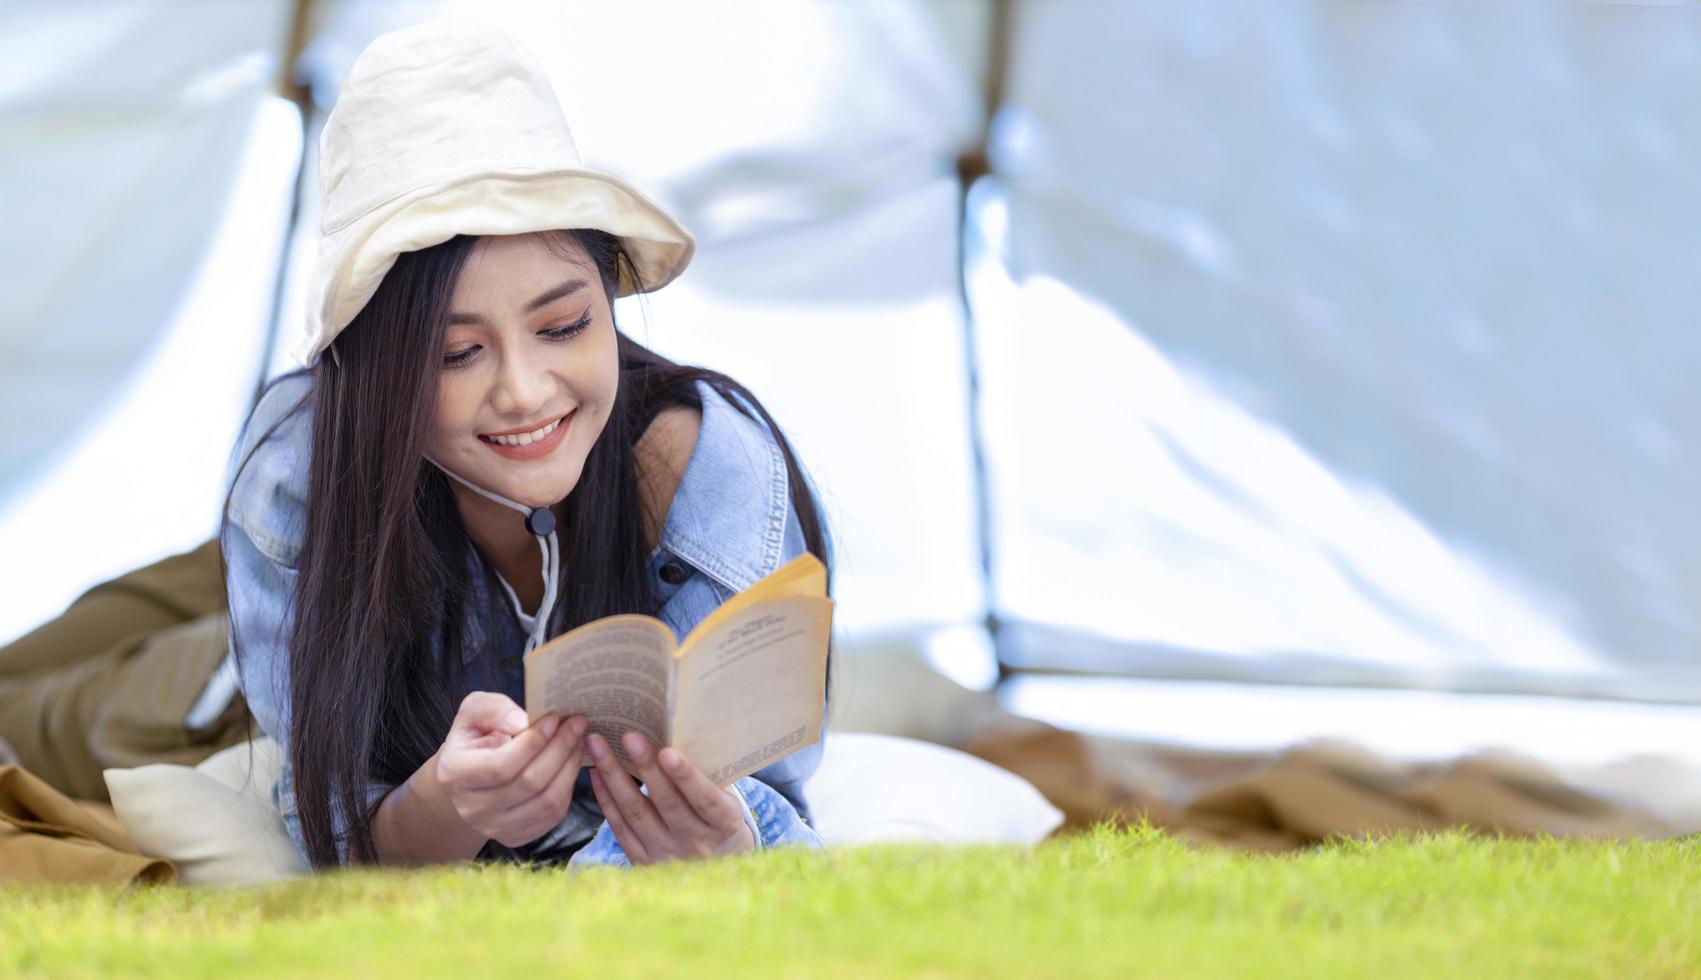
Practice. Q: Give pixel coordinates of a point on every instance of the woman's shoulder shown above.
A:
(662, 454)
(268, 497)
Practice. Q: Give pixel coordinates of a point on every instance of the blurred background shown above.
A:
(1220, 375)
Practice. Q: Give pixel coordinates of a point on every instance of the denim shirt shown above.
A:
(730, 523)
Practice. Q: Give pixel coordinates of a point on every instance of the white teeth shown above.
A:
(525, 438)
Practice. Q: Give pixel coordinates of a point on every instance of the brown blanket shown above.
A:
(1306, 794)
(46, 836)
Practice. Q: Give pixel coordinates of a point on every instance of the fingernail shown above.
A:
(517, 721)
(634, 744)
(577, 723)
(670, 757)
(598, 750)
(550, 725)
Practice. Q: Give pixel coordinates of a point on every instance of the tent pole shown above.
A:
(292, 88)
(222, 688)
(972, 164)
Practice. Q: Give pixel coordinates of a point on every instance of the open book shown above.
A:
(745, 688)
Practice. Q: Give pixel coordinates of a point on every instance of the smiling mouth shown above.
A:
(538, 434)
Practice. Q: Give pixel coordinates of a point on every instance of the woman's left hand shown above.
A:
(684, 816)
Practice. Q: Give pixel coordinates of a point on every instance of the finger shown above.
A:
(552, 802)
(465, 767)
(546, 765)
(640, 814)
(677, 814)
(629, 842)
(712, 803)
(498, 797)
(488, 711)
(500, 765)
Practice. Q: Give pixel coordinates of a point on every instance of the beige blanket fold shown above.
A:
(48, 837)
(1308, 793)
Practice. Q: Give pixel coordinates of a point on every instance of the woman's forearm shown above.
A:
(416, 824)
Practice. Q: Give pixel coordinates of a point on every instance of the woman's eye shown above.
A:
(569, 330)
(456, 358)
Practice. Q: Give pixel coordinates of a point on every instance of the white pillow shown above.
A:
(214, 822)
(887, 787)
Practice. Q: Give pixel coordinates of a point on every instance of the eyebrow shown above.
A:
(567, 288)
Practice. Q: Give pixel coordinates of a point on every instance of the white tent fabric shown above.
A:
(855, 376)
(122, 126)
(144, 177)
(1315, 343)
(97, 252)
(1349, 343)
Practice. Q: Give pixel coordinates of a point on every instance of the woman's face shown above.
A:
(530, 368)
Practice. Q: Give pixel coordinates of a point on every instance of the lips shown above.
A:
(522, 437)
(529, 444)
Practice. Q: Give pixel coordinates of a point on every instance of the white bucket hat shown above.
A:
(451, 128)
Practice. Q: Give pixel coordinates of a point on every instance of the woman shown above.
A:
(475, 461)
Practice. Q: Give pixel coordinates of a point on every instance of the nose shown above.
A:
(523, 385)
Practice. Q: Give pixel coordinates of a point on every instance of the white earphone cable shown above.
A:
(547, 543)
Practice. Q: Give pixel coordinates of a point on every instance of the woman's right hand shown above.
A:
(507, 781)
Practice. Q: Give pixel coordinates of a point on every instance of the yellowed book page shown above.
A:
(752, 690)
(803, 575)
(613, 671)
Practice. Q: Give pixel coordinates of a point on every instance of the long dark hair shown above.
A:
(383, 562)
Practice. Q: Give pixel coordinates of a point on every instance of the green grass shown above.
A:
(1115, 902)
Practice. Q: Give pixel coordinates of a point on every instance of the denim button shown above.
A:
(673, 573)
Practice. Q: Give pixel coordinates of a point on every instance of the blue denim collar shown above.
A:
(736, 474)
